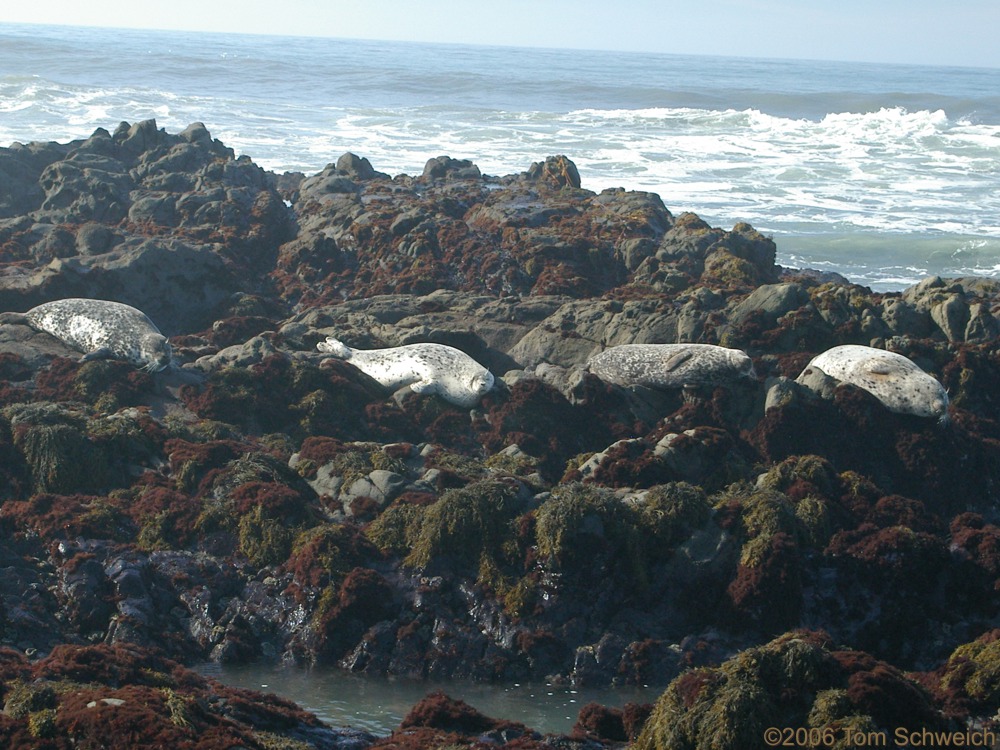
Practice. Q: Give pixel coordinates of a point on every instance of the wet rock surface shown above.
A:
(262, 501)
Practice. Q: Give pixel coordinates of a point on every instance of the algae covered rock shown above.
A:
(580, 522)
(97, 696)
(466, 526)
(795, 681)
(53, 442)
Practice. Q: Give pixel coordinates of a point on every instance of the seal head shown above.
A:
(425, 368)
(893, 379)
(104, 330)
(668, 366)
(155, 351)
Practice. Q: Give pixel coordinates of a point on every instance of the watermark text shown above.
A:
(813, 737)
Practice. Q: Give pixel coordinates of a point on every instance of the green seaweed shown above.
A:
(731, 705)
(61, 458)
(516, 465)
(579, 519)
(793, 682)
(23, 698)
(155, 532)
(670, 513)
(816, 521)
(762, 513)
(815, 470)
(264, 541)
(974, 669)
(396, 529)
(465, 525)
(326, 553)
(178, 706)
(575, 511)
(42, 724)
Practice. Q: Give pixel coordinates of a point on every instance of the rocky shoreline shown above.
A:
(778, 551)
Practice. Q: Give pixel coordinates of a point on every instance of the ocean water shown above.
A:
(378, 705)
(885, 173)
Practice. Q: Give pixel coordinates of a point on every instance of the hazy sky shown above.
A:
(959, 32)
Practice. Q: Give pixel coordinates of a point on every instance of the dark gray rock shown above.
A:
(557, 171)
(982, 326)
(770, 301)
(357, 168)
(445, 167)
(405, 222)
(94, 239)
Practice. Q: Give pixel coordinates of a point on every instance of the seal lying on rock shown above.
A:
(101, 330)
(666, 366)
(426, 368)
(893, 379)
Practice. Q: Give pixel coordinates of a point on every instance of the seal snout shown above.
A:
(940, 408)
(482, 382)
(156, 352)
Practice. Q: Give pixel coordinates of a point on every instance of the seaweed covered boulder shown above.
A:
(968, 683)
(63, 449)
(279, 394)
(536, 233)
(102, 696)
(797, 681)
(438, 720)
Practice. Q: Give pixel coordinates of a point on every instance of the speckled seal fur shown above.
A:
(667, 366)
(103, 329)
(893, 379)
(426, 368)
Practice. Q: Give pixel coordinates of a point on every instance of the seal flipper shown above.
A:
(424, 386)
(876, 366)
(102, 353)
(676, 360)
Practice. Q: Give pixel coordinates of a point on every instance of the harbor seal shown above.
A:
(426, 368)
(893, 379)
(101, 330)
(668, 366)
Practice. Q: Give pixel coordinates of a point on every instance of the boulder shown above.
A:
(444, 167)
(358, 168)
(557, 171)
(770, 302)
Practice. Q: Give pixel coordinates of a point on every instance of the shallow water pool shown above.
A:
(378, 705)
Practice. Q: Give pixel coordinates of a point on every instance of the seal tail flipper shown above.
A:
(102, 353)
(336, 348)
(13, 317)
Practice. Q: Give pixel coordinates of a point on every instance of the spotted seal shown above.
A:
(668, 366)
(426, 368)
(893, 379)
(101, 330)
